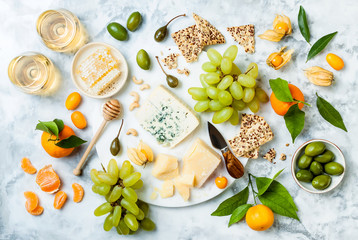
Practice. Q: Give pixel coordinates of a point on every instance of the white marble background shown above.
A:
(327, 216)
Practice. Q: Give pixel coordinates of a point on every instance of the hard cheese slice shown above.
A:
(167, 189)
(183, 189)
(165, 167)
(186, 179)
(200, 160)
(166, 117)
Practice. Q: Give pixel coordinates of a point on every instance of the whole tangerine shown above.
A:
(280, 107)
(48, 142)
(259, 217)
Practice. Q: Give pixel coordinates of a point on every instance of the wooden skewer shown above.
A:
(111, 110)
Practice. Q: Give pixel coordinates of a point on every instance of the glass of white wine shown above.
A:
(34, 73)
(61, 31)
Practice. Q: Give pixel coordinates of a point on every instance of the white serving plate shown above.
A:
(339, 158)
(86, 51)
(155, 77)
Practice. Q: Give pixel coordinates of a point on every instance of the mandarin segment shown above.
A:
(32, 201)
(37, 211)
(48, 179)
(78, 192)
(27, 166)
(60, 199)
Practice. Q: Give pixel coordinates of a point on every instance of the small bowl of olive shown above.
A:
(318, 166)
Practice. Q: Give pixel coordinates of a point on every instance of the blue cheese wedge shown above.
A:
(166, 117)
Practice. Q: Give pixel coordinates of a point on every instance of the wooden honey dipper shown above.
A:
(111, 110)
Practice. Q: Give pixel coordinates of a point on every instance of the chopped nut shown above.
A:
(270, 155)
(282, 157)
(171, 60)
(184, 71)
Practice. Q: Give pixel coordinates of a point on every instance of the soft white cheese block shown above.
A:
(200, 160)
(166, 117)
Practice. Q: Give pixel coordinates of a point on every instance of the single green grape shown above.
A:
(117, 213)
(246, 80)
(254, 105)
(235, 70)
(225, 82)
(125, 170)
(94, 177)
(112, 168)
(101, 189)
(231, 52)
(116, 193)
(147, 224)
(234, 119)
(198, 93)
(254, 72)
(202, 106)
(225, 98)
(215, 105)
(144, 207)
(131, 179)
(140, 215)
(236, 90)
(108, 222)
(129, 194)
(202, 81)
(261, 95)
(103, 209)
(214, 56)
(107, 179)
(130, 206)
(212, 92)
(131, 222)
(122, 228)
(138, 184)
(208, 67)
(223, 115)
(239, 105)
(226, 65)
(249, 94)
(212, 78)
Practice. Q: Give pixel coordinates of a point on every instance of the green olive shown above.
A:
(321, 182)
(304, 161)
(325, 157)
(172, 81)
(304, 175)
(333, 168)
(316, 168)
(315, 148)
(117, 31)
(143, 59)
(134, 21)
(115, 147)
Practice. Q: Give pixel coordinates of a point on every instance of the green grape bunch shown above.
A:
(125, 212)
(225, 90)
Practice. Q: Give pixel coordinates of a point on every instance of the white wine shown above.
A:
(61, 31)
(34, 73)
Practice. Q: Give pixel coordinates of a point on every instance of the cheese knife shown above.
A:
(233, 165)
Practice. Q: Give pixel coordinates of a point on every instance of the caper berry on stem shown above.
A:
(115, 145)
(161, 33)
(171, 80)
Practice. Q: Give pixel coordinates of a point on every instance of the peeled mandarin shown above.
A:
(73, 100)
(334, 61)
(79, 120)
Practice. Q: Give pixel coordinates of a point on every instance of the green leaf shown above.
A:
(295, 121)
(263, 183)
(49, 127)
(303, 25)
(229, 205)
(70, 142)
(329, 113)
(279, 200)
(239, 213)
(281, 90)
(60, 124)
(320, 45)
